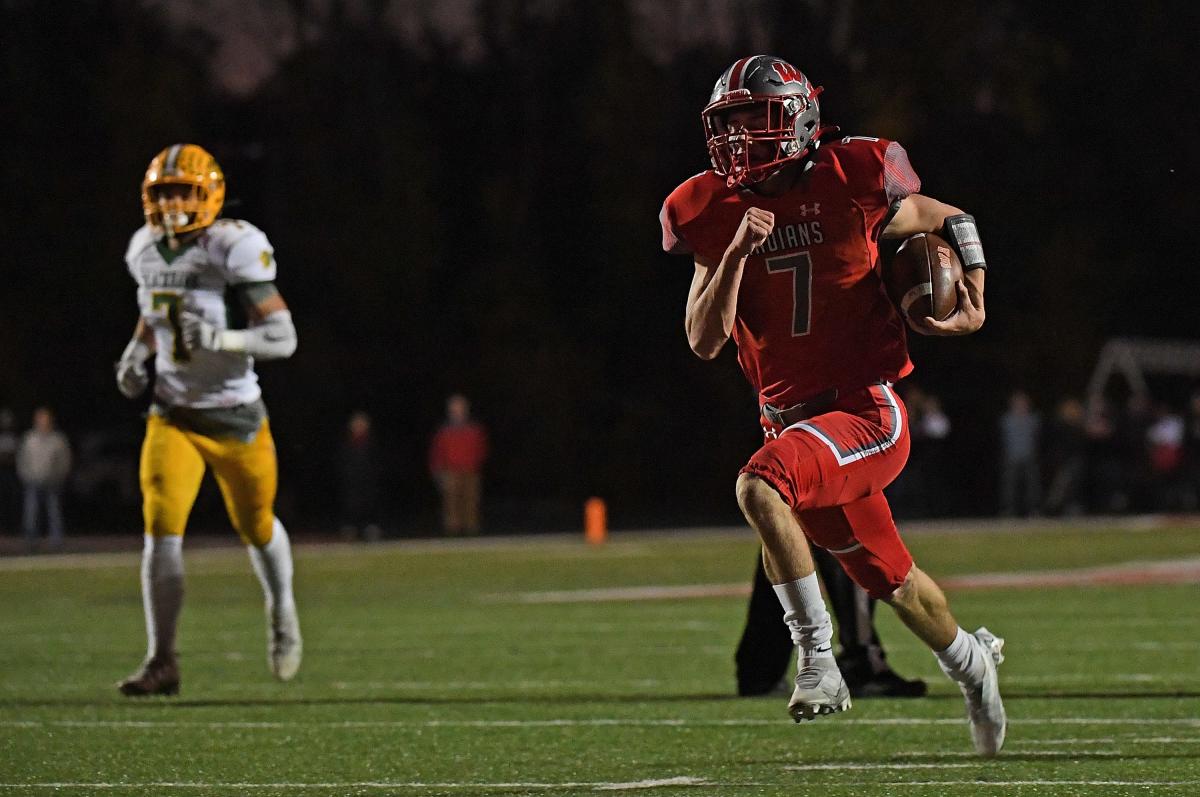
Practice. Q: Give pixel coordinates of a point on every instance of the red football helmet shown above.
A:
(792, 119)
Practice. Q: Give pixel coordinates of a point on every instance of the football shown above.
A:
(921, 277)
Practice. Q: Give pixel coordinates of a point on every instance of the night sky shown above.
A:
(464, 196)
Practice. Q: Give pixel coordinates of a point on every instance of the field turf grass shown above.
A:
(446, 669)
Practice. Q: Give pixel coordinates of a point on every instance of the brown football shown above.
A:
(922, 275)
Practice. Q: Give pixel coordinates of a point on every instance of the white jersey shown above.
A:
(194, 278)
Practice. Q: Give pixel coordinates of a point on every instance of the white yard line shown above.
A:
(653, 784)
(993, 783)
(1107, 740)
(1108, 677)
(541, 786)
(1180, 722)
(849, 766)
(385, 784)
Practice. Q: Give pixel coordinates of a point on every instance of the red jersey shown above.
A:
(812, 313)
(461, 448)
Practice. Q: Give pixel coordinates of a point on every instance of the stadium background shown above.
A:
(463, 196)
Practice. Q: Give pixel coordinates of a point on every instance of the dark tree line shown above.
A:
(489, 225)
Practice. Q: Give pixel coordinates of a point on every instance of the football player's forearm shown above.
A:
(141, 344)
(273, 338)
(144, 334)
(917, 214)
(975, 279)
(710, 323)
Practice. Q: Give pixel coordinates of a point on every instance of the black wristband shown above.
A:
(962, 234)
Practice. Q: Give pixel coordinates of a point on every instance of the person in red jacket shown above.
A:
(456, 457)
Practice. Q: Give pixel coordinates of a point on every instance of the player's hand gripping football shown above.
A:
(967, 317)
(755, 227)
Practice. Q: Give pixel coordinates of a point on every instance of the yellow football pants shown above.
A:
(172, 466)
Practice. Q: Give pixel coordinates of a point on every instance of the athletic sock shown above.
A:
(272, 564)
(162, 592)
(963, 660)
(805, 615)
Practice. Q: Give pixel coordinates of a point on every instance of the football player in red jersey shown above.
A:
(784, 231)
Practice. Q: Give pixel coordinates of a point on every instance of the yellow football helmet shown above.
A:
(176, 211)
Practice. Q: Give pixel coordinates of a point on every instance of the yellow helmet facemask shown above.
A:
(184, 190)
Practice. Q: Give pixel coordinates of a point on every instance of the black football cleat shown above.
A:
(156, 676)
(886, 683)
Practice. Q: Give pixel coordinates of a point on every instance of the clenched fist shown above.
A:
(132, 376)
(755, 227)
(198, 334)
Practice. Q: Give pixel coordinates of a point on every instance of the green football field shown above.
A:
(545, 667)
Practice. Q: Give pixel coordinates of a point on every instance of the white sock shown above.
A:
(805, 615)
(962, 660)
(162, 591)
(272, 564)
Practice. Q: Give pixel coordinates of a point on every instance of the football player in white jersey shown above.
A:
(207, 408)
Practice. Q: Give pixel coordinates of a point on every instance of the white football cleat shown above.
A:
(284, 648)
(985, 709)
(820, 689)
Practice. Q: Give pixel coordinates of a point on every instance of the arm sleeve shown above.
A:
(899, 178)
(879, 177)
(272, 338)
(672, 237)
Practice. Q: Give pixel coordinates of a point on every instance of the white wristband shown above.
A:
(274, 338)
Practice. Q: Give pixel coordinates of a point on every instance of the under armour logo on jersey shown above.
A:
(787, 73)
(814, 209)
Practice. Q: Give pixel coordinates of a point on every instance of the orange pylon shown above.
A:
(595, 520)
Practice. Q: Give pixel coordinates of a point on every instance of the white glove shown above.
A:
(132, 376)
(273, 338)
(198, 334)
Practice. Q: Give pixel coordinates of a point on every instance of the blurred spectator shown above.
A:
(1067, 458)
(1131, 439)
(935, 431)
(43, 462)
(359, 472)
(8, 468)
(934, 422)
(915, 493)
(1020, 474)
(1164, 443)
(456, 457)
(1106, 486)
(1191, 452)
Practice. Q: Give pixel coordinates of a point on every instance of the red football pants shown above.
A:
(831, 470)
